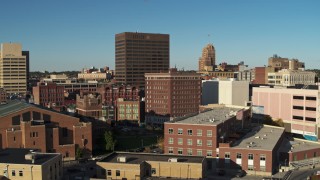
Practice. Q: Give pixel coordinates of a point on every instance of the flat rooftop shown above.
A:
(214, 116)
(261, 137)
(17, 156)
(138, 158)
(297, 145)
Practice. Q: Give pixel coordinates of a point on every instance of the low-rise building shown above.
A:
(25, 125)
(89, 105)
(48, 95)
(297, 107)
(3, 95)
(287, 77)
(132, 111)
(29, 164)
(120, 165)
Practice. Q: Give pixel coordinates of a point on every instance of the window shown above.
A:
(117, 172)
(170, 131)
(190, 132)
(227, 155)
(180, 131)
(109, 173)
(199, 142)
(314, 154)
(209, 133)
(250, 156)
(170, 150)
(64, 132)
(180, 151)
(310, 119)
(209, 153)
(170, 141)
(189, 152)
(311, 109)
(199, 132)
(239, 156)
(180, 141)
(190, 142)
(199, 152)
(209, 143)
(13, 173)
(298, 97)
(311, 98)
(20, 173)
(250, 167)
(297, 117)
(298, 107)
(262, 157)
(153, 171)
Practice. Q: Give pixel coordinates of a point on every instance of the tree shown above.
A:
(79, 153)
(110, 141)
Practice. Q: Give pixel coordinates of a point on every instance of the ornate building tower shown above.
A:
(208, 60)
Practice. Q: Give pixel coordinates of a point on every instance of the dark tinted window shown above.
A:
(298, 107)
(311, 109)
(36, 115)
(311, 98)
(16, 120)
(298, 97)
(297, 117)
(26, 116)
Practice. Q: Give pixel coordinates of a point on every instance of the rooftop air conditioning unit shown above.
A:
(173, 160)
(122, 159)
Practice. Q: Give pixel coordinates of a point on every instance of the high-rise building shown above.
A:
(13, 68)
(171, 94)
(140, 53)
(207, 61)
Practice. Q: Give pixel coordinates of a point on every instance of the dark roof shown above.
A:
(138, 158)
(12, 106)
(17, 156)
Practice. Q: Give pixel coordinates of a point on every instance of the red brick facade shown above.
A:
(49, 131)
(111, 92)
(48, 95)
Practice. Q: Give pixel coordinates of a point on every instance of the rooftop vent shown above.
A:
(173, 160)
(211, 120)
(122, 159)
(257, 137)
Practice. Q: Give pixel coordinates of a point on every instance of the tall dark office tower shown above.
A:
(140, 53)
(26, 54)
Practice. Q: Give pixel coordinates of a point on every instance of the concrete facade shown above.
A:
(287, 77)
(298, 108)
(140, 53)
(13, 68)
(132, 166)
(19, 167)
(279, 63)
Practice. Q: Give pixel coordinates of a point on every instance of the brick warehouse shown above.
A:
(24, 125)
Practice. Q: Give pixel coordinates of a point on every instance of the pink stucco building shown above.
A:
(298, 108)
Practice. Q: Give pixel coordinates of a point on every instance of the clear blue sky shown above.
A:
(72, 34)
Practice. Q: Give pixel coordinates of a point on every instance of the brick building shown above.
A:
(48, 95)
(201, 134)
(171, 94)
(130, 110)
(111, 92)
(24, 125)
(3, 95)
(207, 61)
(89, 105)
(261, 75)
(279, 63)
(120, 165)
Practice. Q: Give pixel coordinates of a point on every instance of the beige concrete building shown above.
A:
(92, 76)
(279, 63)
(287, 77)
(13, 68)
(207, 61)
(136, 166)
(21, 164)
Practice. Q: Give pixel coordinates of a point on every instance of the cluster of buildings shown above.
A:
(212, 118)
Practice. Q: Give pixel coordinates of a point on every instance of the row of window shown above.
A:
(190, 132)
(306, 118)
(307, 108)
(310, 98)
(190, 142)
